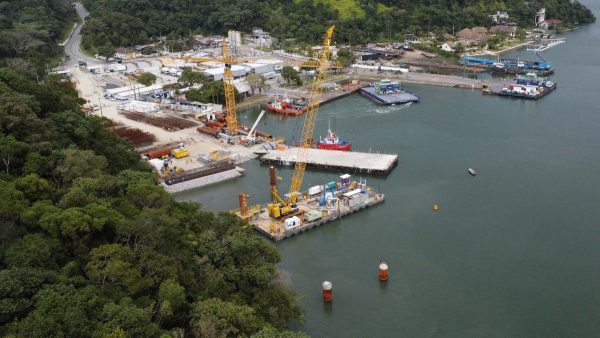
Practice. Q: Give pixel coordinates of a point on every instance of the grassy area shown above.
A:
(348, 9)
(382, 9)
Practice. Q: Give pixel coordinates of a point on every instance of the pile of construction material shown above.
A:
(166, 122)
(137, 137)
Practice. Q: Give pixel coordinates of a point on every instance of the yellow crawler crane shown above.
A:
(280, 207)
(311, 117)
(230, 105)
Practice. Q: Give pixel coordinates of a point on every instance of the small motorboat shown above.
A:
(472, 172)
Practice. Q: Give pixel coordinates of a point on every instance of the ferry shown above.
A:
(287, 106)
(333, 142)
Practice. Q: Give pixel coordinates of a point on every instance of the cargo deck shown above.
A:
(275, 229)
(367, 163)
(388, 99)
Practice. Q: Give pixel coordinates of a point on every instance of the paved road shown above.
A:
(72, 46)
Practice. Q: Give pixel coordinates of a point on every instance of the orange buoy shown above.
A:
(383, 271)
(327, 291)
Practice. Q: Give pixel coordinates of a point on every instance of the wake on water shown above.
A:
(392, 108)
(375, 111)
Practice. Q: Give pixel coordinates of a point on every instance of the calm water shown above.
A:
(513, 252)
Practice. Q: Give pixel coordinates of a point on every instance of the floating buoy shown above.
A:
(327, 291)
(383, 271)
(436, 207)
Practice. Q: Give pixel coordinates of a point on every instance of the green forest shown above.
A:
(119, 23)
(30, 30)
(91, 246)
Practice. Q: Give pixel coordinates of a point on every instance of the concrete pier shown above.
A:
(343, 161)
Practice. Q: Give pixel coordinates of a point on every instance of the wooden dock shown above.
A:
(342, 161)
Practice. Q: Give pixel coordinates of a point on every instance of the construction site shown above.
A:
(298, 210)
(192, 145)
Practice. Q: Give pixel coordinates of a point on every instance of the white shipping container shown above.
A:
(292, 222)
(317, 189)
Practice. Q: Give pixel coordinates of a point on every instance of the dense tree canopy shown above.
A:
(124, 23)
(91, 246)
(29, 30)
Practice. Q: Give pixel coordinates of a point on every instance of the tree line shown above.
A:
(92, 246)
(124, 23)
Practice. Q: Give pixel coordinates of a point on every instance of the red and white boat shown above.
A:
(333, 142)
(287, 106)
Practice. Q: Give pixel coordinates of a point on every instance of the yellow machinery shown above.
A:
(315, 64)
(279, 207)
(180, 153)
(230, 105)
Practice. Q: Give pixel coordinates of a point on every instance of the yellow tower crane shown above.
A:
(281, 207)
(230, 105)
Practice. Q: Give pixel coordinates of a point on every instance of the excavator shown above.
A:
(281, 207)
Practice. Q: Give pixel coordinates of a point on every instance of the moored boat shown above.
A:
(333, 142)
(287, 106)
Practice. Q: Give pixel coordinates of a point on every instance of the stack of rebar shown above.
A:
(169, 123)
(138, 137)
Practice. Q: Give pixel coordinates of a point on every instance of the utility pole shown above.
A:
(99, 103)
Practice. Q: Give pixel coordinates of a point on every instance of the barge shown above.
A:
(318, 206)
(531, 87)
(388, 92)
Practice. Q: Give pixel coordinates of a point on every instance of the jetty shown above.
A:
(350, 161)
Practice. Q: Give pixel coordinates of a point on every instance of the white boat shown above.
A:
(472, 172)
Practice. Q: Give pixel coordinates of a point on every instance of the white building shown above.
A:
(258, 33)
(139, 106)
(258, 68)
(132, 91)
(218, 73)
(499, 17)
(447, 48)
(235, 41)
(540, 16)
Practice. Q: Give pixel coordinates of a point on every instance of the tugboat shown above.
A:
(287, 106)
(333, 142)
